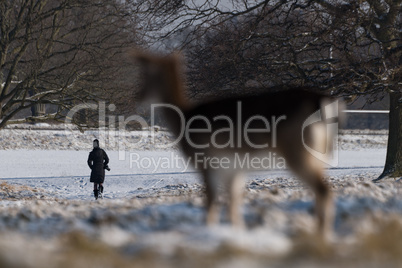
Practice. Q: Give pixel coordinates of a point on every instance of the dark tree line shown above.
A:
(68, 52)
(347, 49)
(61, 53)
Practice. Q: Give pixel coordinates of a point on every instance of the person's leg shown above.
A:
(96, 191)
(101, 190)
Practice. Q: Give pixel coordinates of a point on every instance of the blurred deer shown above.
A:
(236, 127)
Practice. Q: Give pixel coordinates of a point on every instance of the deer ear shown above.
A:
(146, 58)
(140, 56)
(176, 57)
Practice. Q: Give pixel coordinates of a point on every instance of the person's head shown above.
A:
(96, 143)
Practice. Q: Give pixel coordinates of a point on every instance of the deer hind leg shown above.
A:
(310, 170)
(233, 183)
(236, 191)
(211, 190)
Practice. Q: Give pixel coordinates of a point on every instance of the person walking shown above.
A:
(98, 162)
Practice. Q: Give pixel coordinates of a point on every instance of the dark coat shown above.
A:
(97, 160)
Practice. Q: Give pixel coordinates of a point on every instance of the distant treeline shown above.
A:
(366, 121)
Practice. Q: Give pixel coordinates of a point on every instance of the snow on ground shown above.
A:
(67, 137)
(153, 215)
(67, 173)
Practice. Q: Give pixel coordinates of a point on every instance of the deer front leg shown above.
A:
(310, 170)
(324, 207)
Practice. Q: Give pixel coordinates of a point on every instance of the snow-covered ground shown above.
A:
(152, 214)
(66, 173)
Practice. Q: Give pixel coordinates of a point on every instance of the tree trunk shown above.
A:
(393, 163)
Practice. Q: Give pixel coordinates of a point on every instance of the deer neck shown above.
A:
(171, 91)
(173, 87)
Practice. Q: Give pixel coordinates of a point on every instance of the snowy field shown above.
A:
(152, 214)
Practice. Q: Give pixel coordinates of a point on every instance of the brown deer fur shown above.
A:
(162, 79)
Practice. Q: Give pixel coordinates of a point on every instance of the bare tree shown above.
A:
(60, 52)
(347, 48)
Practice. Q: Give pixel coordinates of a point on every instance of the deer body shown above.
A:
(233, 128)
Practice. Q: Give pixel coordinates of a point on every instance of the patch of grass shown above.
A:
(80, 250)
(13, 191)
(384, 243)
(5, 186)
